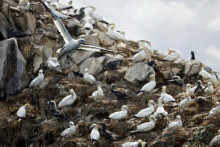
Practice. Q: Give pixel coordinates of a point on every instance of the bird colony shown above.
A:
(70, 78)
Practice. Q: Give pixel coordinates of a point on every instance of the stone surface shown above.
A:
(139, 72)
(38, 58)
(92, 39)
(31, 22)
(192, 67)
(80, 55)
(105, 39)
(4, 27)
(13, 76)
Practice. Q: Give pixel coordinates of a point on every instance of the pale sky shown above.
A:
(179, 24)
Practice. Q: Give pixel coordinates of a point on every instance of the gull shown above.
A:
(70, 43)
(94, 135)
(69, 131)
(213, 79)
(114, 34)
(205, 75)
(97, 94)
(37, 81)
(215, 140)
(22, 111)
(160, 109)
(120, 114)
(185, 102)
(209, 90)
(148, 126)
(173, 126)
(53, 64)
(68, 100)
(175, 55)
(132, 144)
(148, 111)
(140, 56)
(88, 78)
(149, 86)
(215, 111)
(166, 97)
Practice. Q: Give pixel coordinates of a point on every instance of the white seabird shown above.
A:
(61, 6)
(140, 56)
(97, 94)
(37, 81)
(160, 109)
(94, 15)
(185, 102)
(215, 111)
(69, 131)
(148, 126)
(88, 78)
(189, 89)
(120, 114)
(216, 139)
(214, 79)
(143, 144)
(175, 55)
(114, 34)
(209, 90)
(148, 111)
(175, 125)
(22, 111)
(147, 48)
(68, 100)
(132, 144)
(70, 43)
(53, 64)
(205, 75)
(94, 135)
(166, 97)
(149, 86)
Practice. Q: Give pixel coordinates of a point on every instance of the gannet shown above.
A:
(69, 131)
(132, 144)
(143, 144)
(22, 111)
(199, 89)
(192, 55)
(120, 114)
(68, 100)
(99, 93)
(95, 16)
(53, 110)
(149, 86)
(70, 43)
(205, 75)
(148, 126)
(215, 111)
(88, 78)
(114, 34)
(61, 6)
(189, 89)
(37, 81)
(209, 90)
(216, 139)
(148, 111)
(147, 48)
(106, 133)
(160, 109)
(173, 126)
(112, 65)
(175, 55)
(53, 64)
(185, 102)
(213, 79)
(118, 94)
(94, 135)
(140, 56)
(166, 97)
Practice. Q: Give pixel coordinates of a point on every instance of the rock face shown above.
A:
(192, 67)
(13, 76)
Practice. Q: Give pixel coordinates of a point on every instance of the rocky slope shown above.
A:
(21, 58)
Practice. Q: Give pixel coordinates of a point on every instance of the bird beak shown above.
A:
(153, 104)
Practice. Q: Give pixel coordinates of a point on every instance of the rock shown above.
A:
(80, 55)
(47, 52)
(192, 67)
(92, 39)
(94, 65)
(4, 27)
(38, 58)
(105, 39)
(139, 72)
(37, 7)
(31, 22)
(25, 46)
(12, 68)
(167, 74)
(101, 26)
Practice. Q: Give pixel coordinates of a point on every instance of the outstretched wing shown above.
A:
(93, 48)
(59, 24)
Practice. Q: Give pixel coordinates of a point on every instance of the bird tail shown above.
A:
(133, 132)
(140, 93)
(90, 97)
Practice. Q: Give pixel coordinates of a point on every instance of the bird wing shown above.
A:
(95, 134)
(93, 48)
(117, 115)
(182, 103)
(59, 24)
(144, 112)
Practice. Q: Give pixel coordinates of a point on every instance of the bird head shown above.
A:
(178, 117)
(94, 126)
(28, 106)
(152, 77)
(164, 88)
(152, 118)
(86, 70)
(148, 43)
(151, 102)
(72, 92)
(52, 103)
(71, 124)
(203, 66)
(209, 84)
(187, 94)
(143, 144)
(124, 107)
(212, 72)
(40, 72)
(218, 131)
(140, 141)
(112, 25)
(217, 103)
(188, 86)
(81, 41)
(93, 8)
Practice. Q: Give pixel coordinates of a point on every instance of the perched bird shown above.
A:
(173, 126)
(215, 111)
(132, 144)
(160, 109)
(53, 110)
(94, 135)
(153, 65)
(112, 65)
(149, 86)
(107, 134)
(61, 6)
(140, 56)
(209, 90)
(22, 111)
(19, 34)
(199, 89)
(143, 144)
(120, 114)
(166, 97)
(148, 111)
(175, 55)
(118, 94)
(88, 78)
(68, 100)
(189, 89)
(148, 126)
(213, 78)
(146, 45)
(99, 93)
(88, 26)
(69, 131)
(205, 75)
(95, 16)
(37, 81)
(114, 34)
(176, 80)
(53, 64)
(70, 43)
(185, 102)
(215, 140)
(192, 55)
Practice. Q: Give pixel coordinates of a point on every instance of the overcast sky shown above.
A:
(179, 24)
